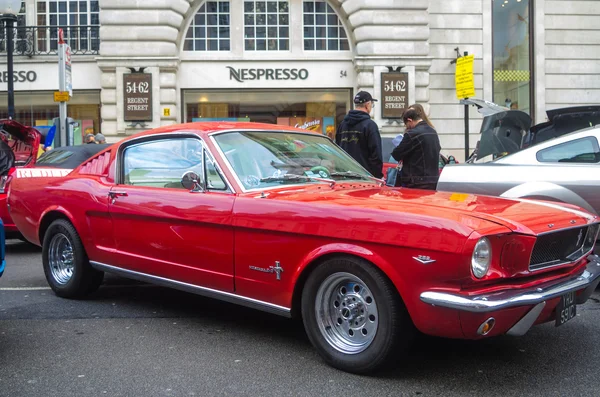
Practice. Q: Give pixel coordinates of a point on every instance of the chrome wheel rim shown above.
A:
(61, 258)
(346, 313)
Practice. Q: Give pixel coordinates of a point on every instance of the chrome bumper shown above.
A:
(502, 300)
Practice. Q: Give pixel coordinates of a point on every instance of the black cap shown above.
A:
(363, 97)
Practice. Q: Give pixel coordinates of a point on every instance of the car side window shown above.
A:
(583, 150)
(162, 163)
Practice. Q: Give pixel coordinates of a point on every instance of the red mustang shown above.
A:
(282, 220)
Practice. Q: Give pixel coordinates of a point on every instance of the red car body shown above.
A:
(24, 143)
(222, 244)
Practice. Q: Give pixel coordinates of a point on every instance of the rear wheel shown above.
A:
(66, 265)
(354, 316)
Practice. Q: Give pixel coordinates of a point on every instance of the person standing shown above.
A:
(359, 136)
(99, 138)
(419, 152)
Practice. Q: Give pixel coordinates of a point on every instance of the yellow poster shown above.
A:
(465, 81)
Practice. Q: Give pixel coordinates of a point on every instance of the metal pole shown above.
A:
(10, 20)
(62, 106)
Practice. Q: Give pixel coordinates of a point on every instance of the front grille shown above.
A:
(558, 247)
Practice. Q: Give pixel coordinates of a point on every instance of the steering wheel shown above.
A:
(321, 171)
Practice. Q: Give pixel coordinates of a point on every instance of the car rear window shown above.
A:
(54, 157)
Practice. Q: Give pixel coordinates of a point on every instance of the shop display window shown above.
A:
(318, 111)
(38, 109)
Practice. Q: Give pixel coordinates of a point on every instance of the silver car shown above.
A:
(564, 169)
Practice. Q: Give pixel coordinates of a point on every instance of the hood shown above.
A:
(356, 116)
(564, 121)
(25, 141)
(472, 211)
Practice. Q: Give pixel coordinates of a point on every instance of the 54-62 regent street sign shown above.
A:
(137, 95)
(394, 94)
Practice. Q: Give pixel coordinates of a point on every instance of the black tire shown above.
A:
(394, 330)
(82, 279)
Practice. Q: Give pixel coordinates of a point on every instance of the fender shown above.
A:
(348, 249)
(548, 191)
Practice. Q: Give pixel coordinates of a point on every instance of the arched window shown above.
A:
(266, 25)
(323, 31)
(210, 28)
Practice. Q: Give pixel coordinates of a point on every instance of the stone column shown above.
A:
(127, 43)
(390, 34)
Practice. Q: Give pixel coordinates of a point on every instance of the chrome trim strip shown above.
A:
(521, 328)
(195, 289)
(513, 298)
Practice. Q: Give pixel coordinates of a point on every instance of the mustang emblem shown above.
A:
(424, 259)
(277, 269)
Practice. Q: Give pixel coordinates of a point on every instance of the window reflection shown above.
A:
(512, 63)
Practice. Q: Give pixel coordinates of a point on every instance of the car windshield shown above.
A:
(267, 159)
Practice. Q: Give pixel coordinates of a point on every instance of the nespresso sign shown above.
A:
(242, 75)
(19, 76)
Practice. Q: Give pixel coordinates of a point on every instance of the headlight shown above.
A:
(482, 257)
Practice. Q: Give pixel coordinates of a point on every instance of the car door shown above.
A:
(163, 229)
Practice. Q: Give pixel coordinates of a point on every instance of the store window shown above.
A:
(512, 44)
(323, 31)
(315, 110)
(38, 109)
(80, 21)
(266, 25)
(210, 29)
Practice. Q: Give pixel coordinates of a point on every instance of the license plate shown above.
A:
(566, 308)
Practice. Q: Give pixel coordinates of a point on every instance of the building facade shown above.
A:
(138, 65)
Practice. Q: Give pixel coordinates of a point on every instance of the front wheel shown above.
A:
(66, 265)
(354, 316)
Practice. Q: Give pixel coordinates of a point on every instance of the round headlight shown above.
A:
(482, 257)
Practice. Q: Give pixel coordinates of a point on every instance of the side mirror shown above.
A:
(192, 182)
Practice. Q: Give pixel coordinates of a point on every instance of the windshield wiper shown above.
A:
(294, 178)
(350, 174)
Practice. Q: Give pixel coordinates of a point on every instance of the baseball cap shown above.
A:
(363, 97)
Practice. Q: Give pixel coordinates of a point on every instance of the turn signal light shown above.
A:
(487, 326)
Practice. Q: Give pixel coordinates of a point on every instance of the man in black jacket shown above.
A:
(359, 136)
(419, 152)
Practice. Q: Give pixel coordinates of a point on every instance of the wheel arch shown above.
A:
(322, 254)
(49, 217)
(548, 191)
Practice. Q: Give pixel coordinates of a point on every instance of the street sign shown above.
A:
(61, 96)
(464, 78)
(394, 94)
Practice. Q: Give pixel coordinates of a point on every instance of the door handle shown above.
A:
(117, 193)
